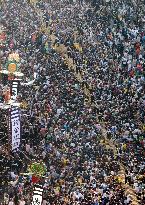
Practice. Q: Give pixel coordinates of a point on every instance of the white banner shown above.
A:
(15, 128)
(14, 90)
(37, 195)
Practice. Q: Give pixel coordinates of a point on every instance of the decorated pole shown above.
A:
(14, 125)
(10, 101)
(37, 170)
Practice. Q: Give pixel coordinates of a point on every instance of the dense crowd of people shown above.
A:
(106, 42)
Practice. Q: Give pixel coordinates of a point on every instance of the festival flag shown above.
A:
(14, 128)
(14, 89)
(37, 195)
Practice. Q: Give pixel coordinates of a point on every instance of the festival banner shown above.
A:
(14, 90)
(14, 128)
(37, 197)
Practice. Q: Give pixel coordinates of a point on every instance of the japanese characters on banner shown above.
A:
(37, 197)
(14, 90)
(14, 128)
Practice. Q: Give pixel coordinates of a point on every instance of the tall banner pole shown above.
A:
(15, 128)
(9, 131)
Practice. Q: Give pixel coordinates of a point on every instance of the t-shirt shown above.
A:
(22, 203)
(11, 203)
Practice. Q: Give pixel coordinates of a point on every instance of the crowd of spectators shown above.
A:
(57, 126)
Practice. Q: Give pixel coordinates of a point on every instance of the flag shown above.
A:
(14, 127)
(14, 90)
(37, 195)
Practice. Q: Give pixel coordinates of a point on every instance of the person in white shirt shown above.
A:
(11, 202)
(6, 198)
(44, 202)
(13, 176)
(22, 202)
(27, 146)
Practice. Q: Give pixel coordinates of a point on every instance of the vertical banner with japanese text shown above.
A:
(15, 128)
(37, 197)
(14, 89)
